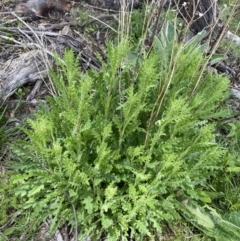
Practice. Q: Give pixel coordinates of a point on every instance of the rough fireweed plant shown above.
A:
(113, 151)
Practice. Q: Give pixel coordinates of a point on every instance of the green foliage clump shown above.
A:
(113, 153)
(9, 204)
(8, 200)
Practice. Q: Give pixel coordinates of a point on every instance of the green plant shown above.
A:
(112, 152)
(230, 136)
(9, 205)
(226, 6)
(207, 219)
(8, 200)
